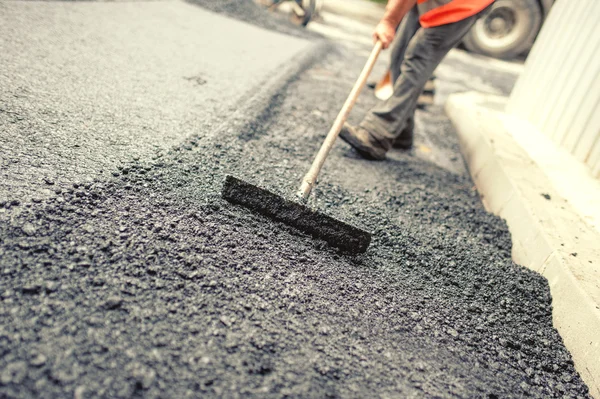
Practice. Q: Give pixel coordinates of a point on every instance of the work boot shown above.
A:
(427, 97)
(429, 87)
(425, 100)
(405, 140)
(362, 141)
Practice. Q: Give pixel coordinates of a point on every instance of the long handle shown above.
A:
(311, 176)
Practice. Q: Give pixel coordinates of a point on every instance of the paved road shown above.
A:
(148, 284)
(86, 86)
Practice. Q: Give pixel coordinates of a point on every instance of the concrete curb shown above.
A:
(549, 235)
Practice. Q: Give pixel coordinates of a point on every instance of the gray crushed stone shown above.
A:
(249, 11)
(148, 284)
(97, 84)
(145, 283)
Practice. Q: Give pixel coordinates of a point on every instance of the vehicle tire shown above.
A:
(507, 30)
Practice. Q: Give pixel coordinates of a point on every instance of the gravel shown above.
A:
(147, 284)
(249, 11)
(97, 84)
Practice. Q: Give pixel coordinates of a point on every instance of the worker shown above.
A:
(429, 30)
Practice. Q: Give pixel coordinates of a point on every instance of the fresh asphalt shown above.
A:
(143, 282)
(86, 87)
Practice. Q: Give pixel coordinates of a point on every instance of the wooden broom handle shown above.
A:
(311, 176)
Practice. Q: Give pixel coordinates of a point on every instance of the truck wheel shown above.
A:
(507, 30)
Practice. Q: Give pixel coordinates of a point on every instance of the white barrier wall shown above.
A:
(559, 90)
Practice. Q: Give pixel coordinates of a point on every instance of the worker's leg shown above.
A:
(425, 51)
(407, 29)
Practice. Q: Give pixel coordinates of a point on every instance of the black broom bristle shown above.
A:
(336, 233)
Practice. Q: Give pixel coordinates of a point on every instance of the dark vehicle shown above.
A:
(509, 29)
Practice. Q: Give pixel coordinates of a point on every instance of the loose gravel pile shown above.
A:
(249, 11)
(148, 284)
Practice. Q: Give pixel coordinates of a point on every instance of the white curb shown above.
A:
(550, 235)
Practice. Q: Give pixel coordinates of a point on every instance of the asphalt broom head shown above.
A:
(336, 233)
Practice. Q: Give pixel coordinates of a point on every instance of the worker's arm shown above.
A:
(394, 12)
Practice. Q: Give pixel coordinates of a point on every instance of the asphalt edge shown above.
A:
(257, 105)
(497, 165)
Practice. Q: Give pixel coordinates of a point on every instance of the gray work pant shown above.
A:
(417, 51)
(407, 29)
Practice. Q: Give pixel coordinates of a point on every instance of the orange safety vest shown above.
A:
(441, 12)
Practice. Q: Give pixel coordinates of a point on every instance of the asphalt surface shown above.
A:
(145, 283)
(98, 84)
(247, 11)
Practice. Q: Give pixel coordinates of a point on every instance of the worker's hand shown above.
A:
(384, 31)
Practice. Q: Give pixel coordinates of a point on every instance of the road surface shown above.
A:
(146, 283)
